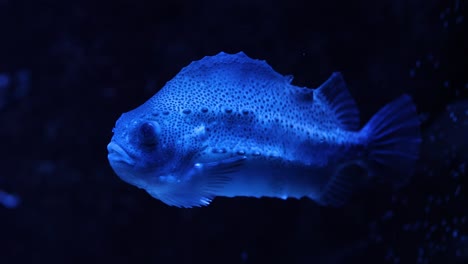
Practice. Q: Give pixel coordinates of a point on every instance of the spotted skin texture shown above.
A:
(229, 125)
(245, 100)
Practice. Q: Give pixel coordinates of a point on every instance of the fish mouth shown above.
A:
(118, 155)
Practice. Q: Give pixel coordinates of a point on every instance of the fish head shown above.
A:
(140, 151)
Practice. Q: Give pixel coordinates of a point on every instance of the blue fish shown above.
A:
(228, 125)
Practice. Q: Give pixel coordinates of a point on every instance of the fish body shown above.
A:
(228, 125)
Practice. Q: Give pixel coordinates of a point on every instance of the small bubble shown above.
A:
(406, 227)
(444, 222)
(427, 209)
(244, 256)
(412, 73)
(430, 198)
(430, 57)
(431, 245)
(8, 200)
(418, 64)
(23, 79)
(459, 19)
(389, 255)
(446, 24)
(388, 215)
(461, 168)
(420, 251)
(4, 81)
(453, 117)
(378, 238)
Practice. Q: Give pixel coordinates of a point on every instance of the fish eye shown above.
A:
(147, 134)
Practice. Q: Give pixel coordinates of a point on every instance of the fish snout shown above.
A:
(116, 154)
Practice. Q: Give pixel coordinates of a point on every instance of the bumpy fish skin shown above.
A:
(228, 125)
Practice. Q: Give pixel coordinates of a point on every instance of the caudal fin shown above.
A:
(393, 140)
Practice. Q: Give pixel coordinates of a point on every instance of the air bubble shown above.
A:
(4, 81)
(388, 215)
(9, 200)
(453, 117)
(444, 222)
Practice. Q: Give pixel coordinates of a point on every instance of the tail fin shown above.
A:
(393, 140)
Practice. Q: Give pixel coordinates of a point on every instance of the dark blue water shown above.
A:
(68, 69)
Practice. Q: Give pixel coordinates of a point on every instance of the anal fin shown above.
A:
(341, 186)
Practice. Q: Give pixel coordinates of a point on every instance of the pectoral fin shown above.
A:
(203, 182)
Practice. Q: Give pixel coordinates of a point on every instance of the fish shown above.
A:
(228, 125)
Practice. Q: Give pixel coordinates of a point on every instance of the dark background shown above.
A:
(74, 66)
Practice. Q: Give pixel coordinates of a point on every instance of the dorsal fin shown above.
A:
(336, 94)
(236, 65)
